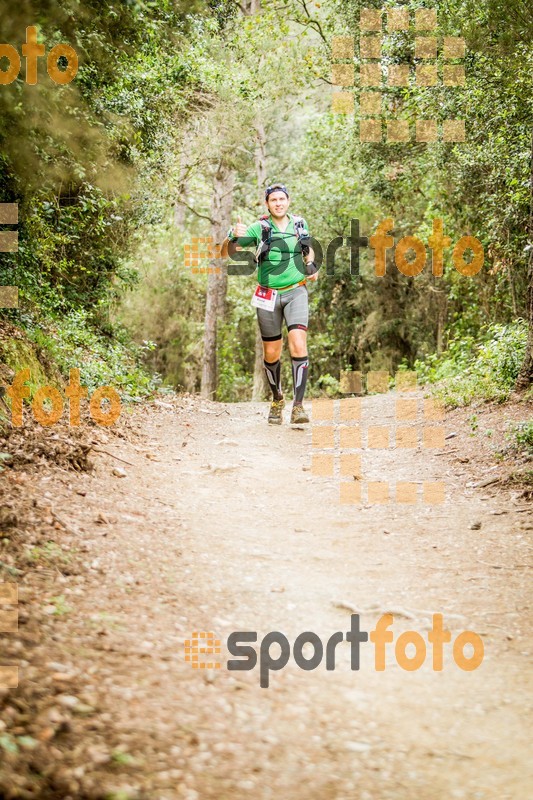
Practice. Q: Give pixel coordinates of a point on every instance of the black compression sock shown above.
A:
(299, 376)
(273, 373)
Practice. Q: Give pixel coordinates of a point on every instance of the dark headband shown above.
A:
(275, 188)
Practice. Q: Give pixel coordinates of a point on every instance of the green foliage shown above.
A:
(521, 436)
(50, 553)
(471, 370)
(102, 360)
(91, 163)
(164, 91)
(5, 458)
(8, 744)
(69, 252)
(329, 385)
(234, 351)
(167, 308)
(122, 758)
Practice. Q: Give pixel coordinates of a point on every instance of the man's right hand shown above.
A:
(239, 229)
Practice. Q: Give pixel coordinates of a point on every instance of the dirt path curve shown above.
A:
(220, 525)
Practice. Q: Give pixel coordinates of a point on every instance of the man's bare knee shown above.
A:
(272, 350)
(298, 343)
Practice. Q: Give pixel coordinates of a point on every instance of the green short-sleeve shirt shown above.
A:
(284, 264)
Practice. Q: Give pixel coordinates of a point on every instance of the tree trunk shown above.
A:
(252, 7)
(179, 207)
(525, 378)
(217, 280)
(260, 158)
(442, 305)
(259, 390)
(260, 385)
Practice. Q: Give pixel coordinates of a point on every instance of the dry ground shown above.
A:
(217, 523)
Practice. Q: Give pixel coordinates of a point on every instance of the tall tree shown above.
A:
(217, 281)
(266, 60)
(259, 387)
(525, 378)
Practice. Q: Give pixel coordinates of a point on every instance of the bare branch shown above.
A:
(315, 23)
(202, 216)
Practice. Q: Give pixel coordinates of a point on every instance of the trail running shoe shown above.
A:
(275, 416)
(298, 415)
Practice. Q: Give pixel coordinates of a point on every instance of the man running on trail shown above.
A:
(285, 263)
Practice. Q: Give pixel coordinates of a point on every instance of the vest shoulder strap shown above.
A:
(266, 228)
(299, 225)
(300, 231)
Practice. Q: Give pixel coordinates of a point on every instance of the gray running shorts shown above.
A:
(293, 306)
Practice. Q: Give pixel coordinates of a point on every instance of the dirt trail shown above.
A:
(219, 525)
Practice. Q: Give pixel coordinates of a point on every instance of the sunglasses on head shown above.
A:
(276, 188)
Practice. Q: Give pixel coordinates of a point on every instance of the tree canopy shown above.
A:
(115, 174)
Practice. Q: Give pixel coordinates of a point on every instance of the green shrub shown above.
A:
(484, 370)
(102, 359)
(521, 436)
(234, 378)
